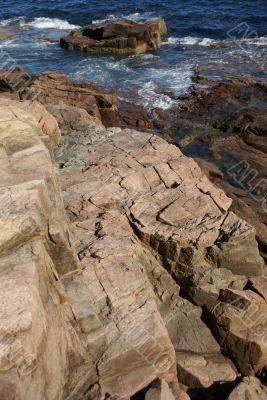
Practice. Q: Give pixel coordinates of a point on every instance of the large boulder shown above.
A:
(55, 88)
(119, 37)
(35, 250)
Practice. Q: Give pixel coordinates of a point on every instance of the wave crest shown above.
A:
(190, 40)
(137, 17)
(40, 23)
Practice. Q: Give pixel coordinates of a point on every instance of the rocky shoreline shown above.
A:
(127, 273)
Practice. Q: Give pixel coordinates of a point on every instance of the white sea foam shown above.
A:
(40, 23)
(190, 40)
(137, 17)
(49, 23)
(152, 99)
(9, 43)
(165, 86)
(196, 41)
(152, 86)
(259, 41)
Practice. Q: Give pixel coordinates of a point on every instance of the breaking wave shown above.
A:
(190, 40)
(40, 23)
(137, 17)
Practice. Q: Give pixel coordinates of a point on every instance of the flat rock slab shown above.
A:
(119, 37)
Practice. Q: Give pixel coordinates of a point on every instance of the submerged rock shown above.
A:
(119, 37)
(4, 34)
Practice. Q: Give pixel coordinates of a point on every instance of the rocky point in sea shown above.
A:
(118, 37)
(125, 272)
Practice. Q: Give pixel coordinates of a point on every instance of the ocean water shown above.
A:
(226, 37)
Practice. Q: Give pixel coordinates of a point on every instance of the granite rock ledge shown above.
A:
(108, 263)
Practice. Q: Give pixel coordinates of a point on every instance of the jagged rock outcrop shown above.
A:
(74, 105)
(91, 304)
(119, 37)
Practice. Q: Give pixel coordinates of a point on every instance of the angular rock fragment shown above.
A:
(259, 285)
(239, 321)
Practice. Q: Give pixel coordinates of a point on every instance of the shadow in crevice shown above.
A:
(141, 394)
(218, 391)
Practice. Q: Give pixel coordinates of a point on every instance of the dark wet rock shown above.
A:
(14, 79)
(119, 37)
(126, 114)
